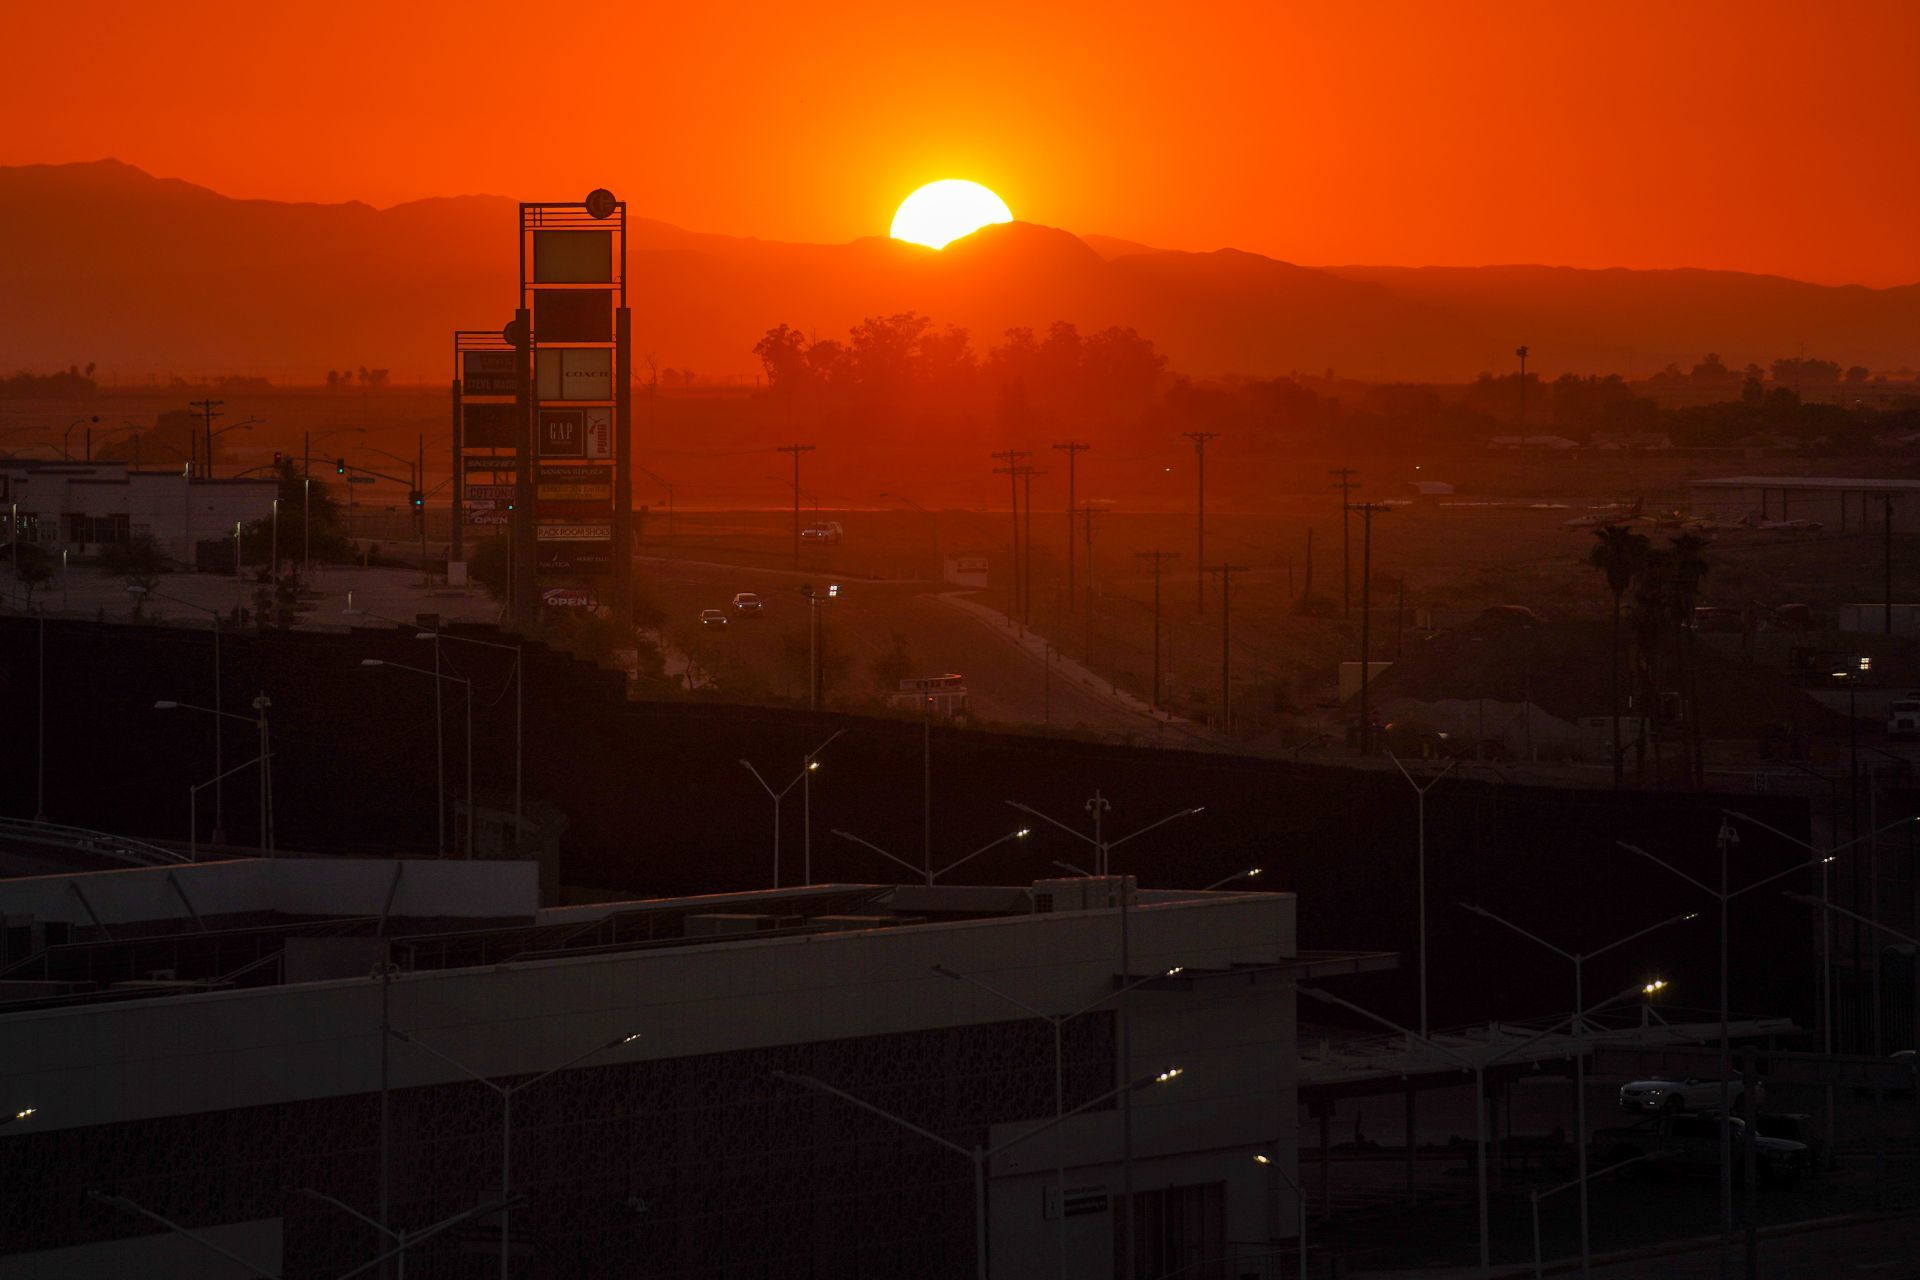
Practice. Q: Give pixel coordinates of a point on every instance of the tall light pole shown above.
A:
(219, 833)
(259, 720)
(1477, 1064)
(506, 1094)
(808, 763)
(1728, 836)
(1579, 961)
(1096, 807)
(928, 870)
(439, 745)
(1521, 421)
(1367, 510)
(1057, 1023)
(981, 1156)
(1420, 870)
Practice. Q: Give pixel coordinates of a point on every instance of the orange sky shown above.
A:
(1763, 135)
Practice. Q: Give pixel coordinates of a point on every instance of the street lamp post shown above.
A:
(928, 870)
(506, 1094)
(1420, 873)
(1096, 807)
(261, 704)
(1057, 1021)
(1579, 961)
(808, 763)
(981, 1155)
(1728, 836)
(439, 745)
(219, 834)
(1477, 1064)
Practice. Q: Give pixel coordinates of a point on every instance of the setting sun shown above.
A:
(941, 212)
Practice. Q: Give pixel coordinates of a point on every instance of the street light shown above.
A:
(1728, 836)
(1057, 1021)
(1097, 807)
(1478, 1065)
(1579, 960)
(506, 1094)
(980, 1154)
(1420, 873)
(809, 763)
(928, 870)
(265, 760)
(1299, 1193)
(219, 834)
(439, 746)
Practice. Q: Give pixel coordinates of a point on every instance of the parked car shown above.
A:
(746, 602)
(713, 618)
(1692, 1093)
(822, 531)
(1691, 1144)
(1796, 1126)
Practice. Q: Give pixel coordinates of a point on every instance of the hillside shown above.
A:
(149, 275)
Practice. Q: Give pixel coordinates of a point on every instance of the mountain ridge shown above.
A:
(147, 273)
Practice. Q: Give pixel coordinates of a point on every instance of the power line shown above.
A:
(1200, 439)
(1158, 557)
(1226, 572)
(1346, 484)
(1012, 472)
(1073, 449)
(796, 450)
(1367, 512)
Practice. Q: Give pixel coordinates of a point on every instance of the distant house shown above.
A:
(1429, 490)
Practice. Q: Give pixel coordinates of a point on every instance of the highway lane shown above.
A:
(1005, 683)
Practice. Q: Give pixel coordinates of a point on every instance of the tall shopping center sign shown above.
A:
(543, 415)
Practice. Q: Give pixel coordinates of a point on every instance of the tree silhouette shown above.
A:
(1620, 554)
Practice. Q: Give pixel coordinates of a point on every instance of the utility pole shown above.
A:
(1200, 439)
(1158, 557)
(1886, 617)
(1306, 581)
(796, 450)
(1522, 424)
(1346, 484)
(209, 410)
(1226, 572)
(1012, 472)
(1087, 513)
(1073, 449)
(1367, 512)
(1026, 565)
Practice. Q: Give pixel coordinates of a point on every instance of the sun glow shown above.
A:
(941, 212)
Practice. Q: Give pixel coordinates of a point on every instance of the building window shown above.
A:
(1176, 1231)
(97, 529)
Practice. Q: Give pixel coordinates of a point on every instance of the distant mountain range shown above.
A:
(106, 263)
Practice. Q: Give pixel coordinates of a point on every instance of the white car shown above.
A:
(1691, 1093)
(748, 602)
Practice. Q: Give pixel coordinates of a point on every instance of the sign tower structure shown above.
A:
(573, 364)
(485, 436)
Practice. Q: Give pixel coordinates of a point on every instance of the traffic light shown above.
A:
(277, 456)
(339, 466)
(417, 498)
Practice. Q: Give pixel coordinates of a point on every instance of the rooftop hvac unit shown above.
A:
(1082, 893)
(163, 975)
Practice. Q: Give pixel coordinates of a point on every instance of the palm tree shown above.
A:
(1619, 553)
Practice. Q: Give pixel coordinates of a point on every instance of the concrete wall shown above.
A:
(312, 886)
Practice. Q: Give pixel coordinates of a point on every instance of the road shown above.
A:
(1006, 683)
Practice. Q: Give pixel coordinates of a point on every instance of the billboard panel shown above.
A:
(573, 315)
(562, 433)
(598, 442)
(572, 531)
(487, 373)
(475, 465)
(573, 373)
(489, 426)
(573, 257)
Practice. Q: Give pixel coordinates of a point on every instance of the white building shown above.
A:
(78, 506)
(205, 1043)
